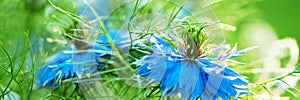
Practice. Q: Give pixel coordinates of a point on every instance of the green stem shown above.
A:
(277, 78)
(178, 11)
(131, 17)
(11, 72)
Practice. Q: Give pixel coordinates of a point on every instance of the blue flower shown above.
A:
(79, 63)
(65, 65)
(191, 78)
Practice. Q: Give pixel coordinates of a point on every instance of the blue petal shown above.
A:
(59, 57)
(154, 66)
(168, 84)
(199, 88)
(222, 82)
(223, 96)
(211, 86)
(223, 88)
(160, 46)
(143, 71)
(66, 70)
(48, 73)
(45, 80)
(51, 75)
(228, 74)
(143, 63)
(188, 78)
(84, 63)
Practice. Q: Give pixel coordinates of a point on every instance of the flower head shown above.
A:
(81, 64)
(65, 65)
(188, 71)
